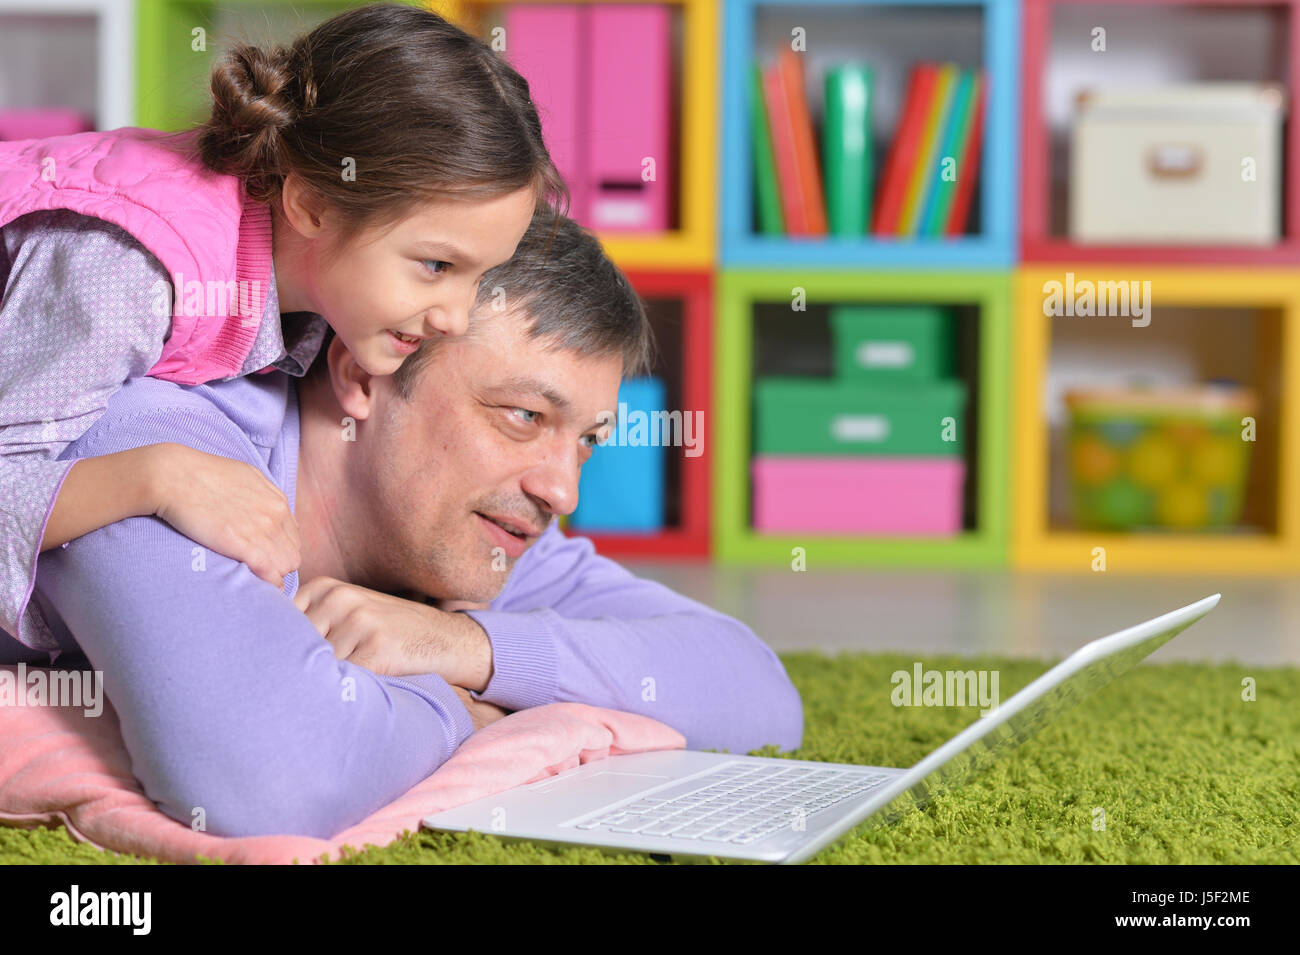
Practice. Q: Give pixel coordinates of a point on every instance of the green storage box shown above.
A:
(889, 342)
(828, 416)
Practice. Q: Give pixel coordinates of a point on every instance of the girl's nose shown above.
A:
(449, 321)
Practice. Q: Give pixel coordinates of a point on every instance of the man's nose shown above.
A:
(554, 482)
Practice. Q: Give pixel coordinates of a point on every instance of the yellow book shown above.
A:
(922, 176)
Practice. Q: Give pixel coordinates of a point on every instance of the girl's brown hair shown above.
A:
(417, 107)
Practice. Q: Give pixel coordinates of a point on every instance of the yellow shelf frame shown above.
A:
(1034, 546)
(694, 244)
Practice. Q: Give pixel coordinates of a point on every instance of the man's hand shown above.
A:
(393, 636)
(481, 712)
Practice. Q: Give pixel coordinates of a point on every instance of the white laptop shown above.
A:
(689, 805)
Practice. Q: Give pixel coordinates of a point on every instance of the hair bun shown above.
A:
(253, 104)
(253, 87)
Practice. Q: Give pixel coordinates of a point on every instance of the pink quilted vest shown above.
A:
(214, 242)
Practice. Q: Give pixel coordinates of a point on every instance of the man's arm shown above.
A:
(233, 708)
(572, 626)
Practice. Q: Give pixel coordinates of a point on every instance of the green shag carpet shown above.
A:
(1185, 770)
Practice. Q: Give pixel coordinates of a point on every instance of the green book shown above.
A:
(770, 220)
(846, 149)
(940, 205)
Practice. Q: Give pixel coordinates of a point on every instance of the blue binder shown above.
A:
(622, 484)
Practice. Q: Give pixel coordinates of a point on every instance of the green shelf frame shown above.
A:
(734, 541)
(172, 90)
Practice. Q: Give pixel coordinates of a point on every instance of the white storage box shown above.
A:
(1172, 165)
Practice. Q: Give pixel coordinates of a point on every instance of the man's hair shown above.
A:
(572, 297)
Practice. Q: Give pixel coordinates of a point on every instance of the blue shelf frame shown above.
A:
(995, 247)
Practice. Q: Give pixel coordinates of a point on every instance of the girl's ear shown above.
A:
(297, 209)
(353, 386)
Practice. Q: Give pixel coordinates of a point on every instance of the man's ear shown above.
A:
(353, 386)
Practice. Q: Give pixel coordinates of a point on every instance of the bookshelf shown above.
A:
(1149, 41)
(1268, 358)
(130, 62)
(680, 305)
(690, 243)
(891, 36)
(986, 297)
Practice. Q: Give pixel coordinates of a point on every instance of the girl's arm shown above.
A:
(78, 318)
(102, 491)
(226, 505)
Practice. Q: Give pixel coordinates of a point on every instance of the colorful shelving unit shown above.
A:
(1195, 47)
(989, 38)
(983, 542)
(1274, 545)
(691, 245)
(681, 309)
(716, 277)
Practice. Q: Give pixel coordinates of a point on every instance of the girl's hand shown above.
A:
(228, 506)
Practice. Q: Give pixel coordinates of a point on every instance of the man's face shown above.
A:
(497, 426)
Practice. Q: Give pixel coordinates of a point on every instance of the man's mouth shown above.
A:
(514, 529)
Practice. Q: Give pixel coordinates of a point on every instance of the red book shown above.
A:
(903, 152)
(969, 164)
(807, 167)
(783, 151)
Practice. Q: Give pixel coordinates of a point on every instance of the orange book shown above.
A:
(787, 178)
(807, 166)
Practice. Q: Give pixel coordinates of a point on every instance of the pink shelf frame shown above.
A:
(1036, 245)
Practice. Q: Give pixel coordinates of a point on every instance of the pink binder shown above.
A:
(546, 44)
(628, 112)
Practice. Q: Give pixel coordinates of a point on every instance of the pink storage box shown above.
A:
(858, 495)
(42, 123)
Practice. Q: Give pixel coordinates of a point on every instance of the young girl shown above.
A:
(365, 177)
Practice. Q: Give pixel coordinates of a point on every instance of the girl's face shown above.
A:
(416, 279)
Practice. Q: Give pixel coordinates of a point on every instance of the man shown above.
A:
(234, 709)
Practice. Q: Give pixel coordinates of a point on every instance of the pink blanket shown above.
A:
(59, 766)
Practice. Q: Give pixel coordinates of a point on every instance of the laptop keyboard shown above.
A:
(739, 803)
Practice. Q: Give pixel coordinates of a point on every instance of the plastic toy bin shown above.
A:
(1168, 459)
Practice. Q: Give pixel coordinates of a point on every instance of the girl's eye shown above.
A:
(592, 439)
(436, 262)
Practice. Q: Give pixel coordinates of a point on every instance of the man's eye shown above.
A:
(526, 411)
(435, 271)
